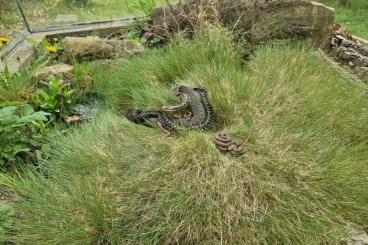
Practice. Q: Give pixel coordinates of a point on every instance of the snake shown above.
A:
(195, 112)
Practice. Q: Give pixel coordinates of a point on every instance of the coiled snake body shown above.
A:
(195, 112)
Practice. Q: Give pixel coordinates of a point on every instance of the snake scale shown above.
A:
(194, 112)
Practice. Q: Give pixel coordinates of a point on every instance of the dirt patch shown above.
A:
(6, 195)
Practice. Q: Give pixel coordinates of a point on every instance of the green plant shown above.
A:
(57, 99)
(78, 2)
(16, 87)
(22, 130)
(135, 32)
(146, 6)
(6, 219)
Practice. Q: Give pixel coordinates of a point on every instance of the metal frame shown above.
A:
(69, 26)
(23, 16)
(22, 37)
(13, 45)
(79, 25)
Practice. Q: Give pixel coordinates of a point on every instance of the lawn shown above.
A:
(302, 181)
(354, 18)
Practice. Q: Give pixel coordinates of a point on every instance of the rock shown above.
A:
(350, 51)
(261, 20)
(356, 238)
(60, 71)
(21, 58)
(92, 48)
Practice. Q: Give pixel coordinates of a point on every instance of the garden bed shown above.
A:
(205, 139)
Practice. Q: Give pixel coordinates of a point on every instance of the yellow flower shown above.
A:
(51, 49)
(4, 40)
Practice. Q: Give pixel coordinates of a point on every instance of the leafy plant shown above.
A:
(6, 219)
(21, 131)
(57, 99)
(135, 33)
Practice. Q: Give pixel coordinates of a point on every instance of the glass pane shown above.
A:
(48, 13)
(11, 22)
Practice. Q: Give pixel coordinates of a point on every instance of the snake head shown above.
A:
(184, 89)
(134, 115)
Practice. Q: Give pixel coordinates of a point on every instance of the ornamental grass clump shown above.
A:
(302, 181)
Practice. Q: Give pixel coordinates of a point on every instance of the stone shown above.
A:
(60, 71)
(350, 51)
(261, 20)
(22, 57)
(92, 48)
(357, 238)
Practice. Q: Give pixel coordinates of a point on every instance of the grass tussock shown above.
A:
(302, 181)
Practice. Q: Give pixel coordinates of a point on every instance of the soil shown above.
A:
(5, 194)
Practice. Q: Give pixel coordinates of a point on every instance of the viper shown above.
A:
(194, 112)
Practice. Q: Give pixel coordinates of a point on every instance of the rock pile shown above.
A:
(350, 51)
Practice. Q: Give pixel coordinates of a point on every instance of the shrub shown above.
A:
(21, 132)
